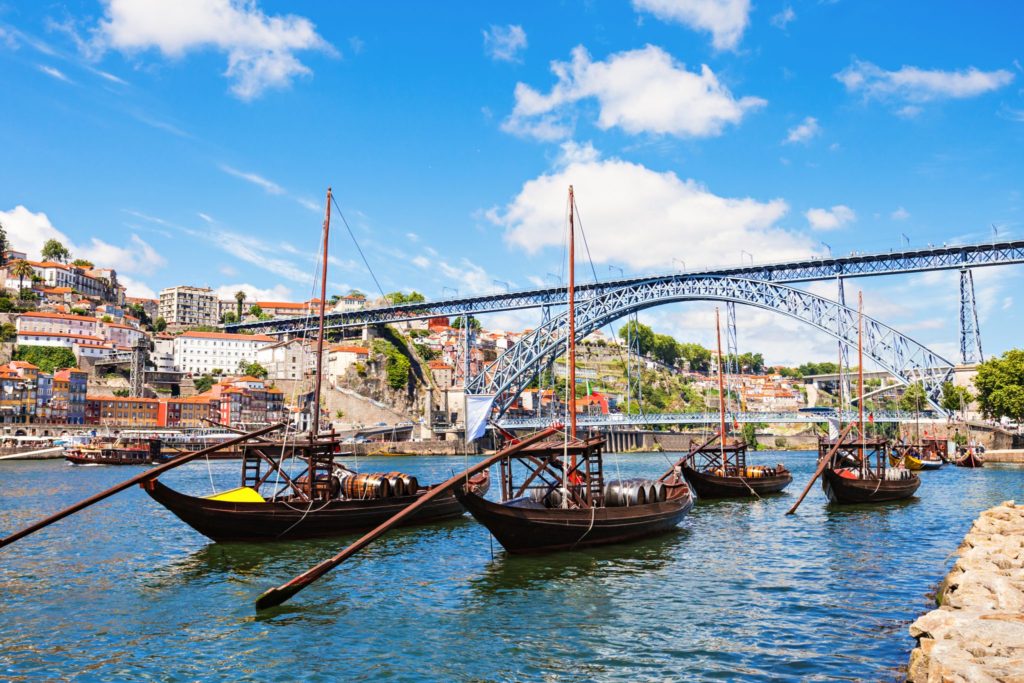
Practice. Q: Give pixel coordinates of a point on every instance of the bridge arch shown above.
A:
(907, 360)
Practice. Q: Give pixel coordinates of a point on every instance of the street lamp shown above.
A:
(622, 273)
(827, 247)
(679, 260)
(501, 283)
(746, 253)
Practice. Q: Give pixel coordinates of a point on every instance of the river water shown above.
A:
(124, 591)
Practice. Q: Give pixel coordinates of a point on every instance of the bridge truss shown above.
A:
(907, 360)
(784, 417)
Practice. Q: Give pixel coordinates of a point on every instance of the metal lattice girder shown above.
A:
(797, 271)
(784, 417)
(907, 360)
(970, 332)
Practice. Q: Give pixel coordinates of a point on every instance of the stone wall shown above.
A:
(977, 633)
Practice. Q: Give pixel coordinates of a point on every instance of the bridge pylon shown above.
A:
(970, 332)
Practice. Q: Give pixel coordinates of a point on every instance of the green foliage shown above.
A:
(397, 366)
(79, 311)
(339, 414)
(474, 324)
(55, 251)
(750, 363)
(4, 244)
(425, 352)
(240, 297)
(8, 331)
(398, 298)
(121, 392)
(203, 383)
(196, 328)
(139, 312)
(750, 435)
(825, 368)
(1000, 384)
(666, 349)
(419, 334)
(229, 317)
(83, 263)
(253, 369)
(913, 400)
(641, 334)
(28, 295)
(46, 358)
(697, 356)
(954, 398)
(159, 325)
(6, 305)
(107, 319)
(255, 311)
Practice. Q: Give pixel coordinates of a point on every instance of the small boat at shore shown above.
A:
(117, 451)
(914, 458)
(970, 457)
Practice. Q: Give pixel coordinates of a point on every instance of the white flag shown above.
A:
(478, 411)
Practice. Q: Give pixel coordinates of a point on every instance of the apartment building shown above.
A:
(198, 353)
(186, 306)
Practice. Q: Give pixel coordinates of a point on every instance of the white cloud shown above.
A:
(640, 91)
(54, 73)
(28, 232)
(914, 85)
(900, 214)
(253, 293)
(260, 49)
(134, 287)
(830, 219)
(268, 185)
(725, 20)
(503, 43)
(421, 261)
(783, 18)
(641, 218)
(804, 131)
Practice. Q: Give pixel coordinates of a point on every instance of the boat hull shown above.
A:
(969, 460)
(708, 485)
(845, 490)
(223, 521)
(527, 530)
(111, 457)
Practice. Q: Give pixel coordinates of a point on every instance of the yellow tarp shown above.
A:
(243, 494)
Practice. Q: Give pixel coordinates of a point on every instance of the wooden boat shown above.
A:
(935, 449)
(242, 515)
(564, 501)
(548, 516)
(970, 458)
(721, 471)
(293, 488)
(914, 458)
(104, 451)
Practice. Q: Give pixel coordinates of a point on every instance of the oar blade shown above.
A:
(277, 596)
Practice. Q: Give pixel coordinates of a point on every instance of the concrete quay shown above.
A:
(1004, 456)
(977, 633)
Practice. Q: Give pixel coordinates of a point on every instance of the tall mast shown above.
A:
(315, 433)
(572, 321)
(860, 375)
(721, 393)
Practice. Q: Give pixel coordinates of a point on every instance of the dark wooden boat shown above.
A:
(117, 452)
(970, 458)
(280, 520)
(721, 471)
(537, 521)
(851, 478)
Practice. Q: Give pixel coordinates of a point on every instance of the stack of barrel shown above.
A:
(628, 492)
(376, 484)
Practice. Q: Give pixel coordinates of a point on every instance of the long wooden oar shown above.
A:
(276, 596)
(821, 467)
(686, 457)
(148, 474)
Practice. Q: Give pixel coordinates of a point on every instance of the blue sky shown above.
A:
(192, 142)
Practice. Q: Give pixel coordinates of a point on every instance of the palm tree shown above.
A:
(22, 270)
(240, 297)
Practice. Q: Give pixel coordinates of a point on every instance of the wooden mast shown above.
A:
(721, 394)
(314, 433)
(571, 369)
(860, 377)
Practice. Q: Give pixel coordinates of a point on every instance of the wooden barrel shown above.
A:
(412, 485)
(396, 482)
(366, 486)
(660, 492)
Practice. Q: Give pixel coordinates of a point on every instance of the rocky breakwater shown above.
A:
(977, 633)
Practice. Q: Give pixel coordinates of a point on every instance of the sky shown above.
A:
(192, 142)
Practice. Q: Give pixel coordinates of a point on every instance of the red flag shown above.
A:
(871, 417)
(736, 424)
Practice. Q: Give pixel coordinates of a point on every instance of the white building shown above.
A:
(202, 352)
(290, 359)
(101, 284)
(341, 358)
(122, 335)
(58, 323)
(350, 303)
(186, 306)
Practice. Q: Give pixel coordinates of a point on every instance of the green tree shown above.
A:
(641, 334)
(954, 398)
(914, 399)
(46, 358)
(474, 324)
(229, 317)
(107, 319)
(818, 369)
(1000, 385)
(752, 363)
(159, 325)
(8, 332)
(255, 311)
(697, 356)
(666, 349)
(55, 251)
(4, 244)
(252, 369)
(203, 383)
(399, 298)
(83, 263)
(22, 270)
(240, 297)
(750, 435)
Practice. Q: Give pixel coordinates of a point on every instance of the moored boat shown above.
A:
(970, 457)
(118, 451)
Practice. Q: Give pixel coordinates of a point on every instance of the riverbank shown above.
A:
(977, 633)
(1007, 455)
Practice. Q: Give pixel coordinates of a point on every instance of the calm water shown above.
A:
(126, 592)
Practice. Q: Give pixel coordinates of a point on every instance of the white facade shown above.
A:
(286, 360)
(202, 352)
(341, 358)
(186, 306)
(121, 335)
(58, 323)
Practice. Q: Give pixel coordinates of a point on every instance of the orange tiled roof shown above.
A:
(227, 335)
(58, 316)
(350, 349)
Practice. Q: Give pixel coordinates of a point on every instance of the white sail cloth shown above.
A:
(478, 411)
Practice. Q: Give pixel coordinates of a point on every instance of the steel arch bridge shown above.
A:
(907, 360)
